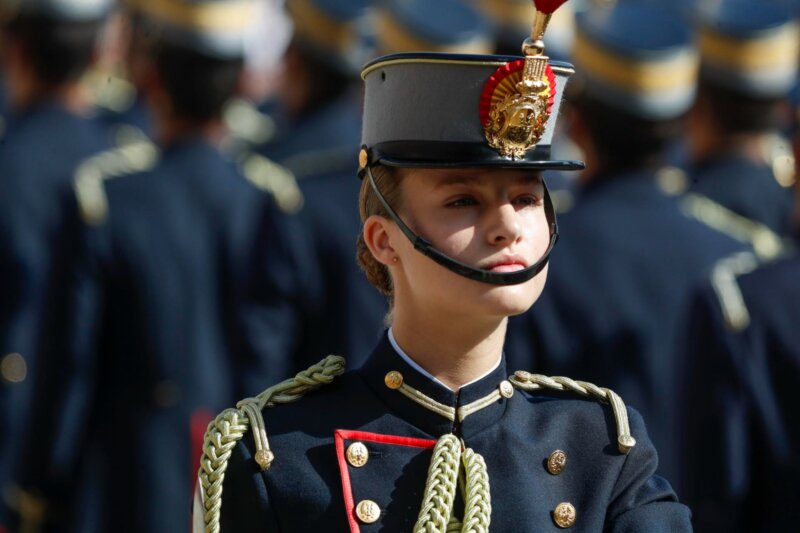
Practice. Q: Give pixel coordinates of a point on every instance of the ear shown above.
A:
(377, 237)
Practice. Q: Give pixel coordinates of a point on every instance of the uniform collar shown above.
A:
(385, 359)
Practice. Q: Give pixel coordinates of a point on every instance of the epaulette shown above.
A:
(274, 179)
(246, 123)
(766, 243)
(533, 382)
(109, 91)
(230, 426)
(135, 153)
(726, 287)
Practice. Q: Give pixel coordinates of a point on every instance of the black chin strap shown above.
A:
(462, 269)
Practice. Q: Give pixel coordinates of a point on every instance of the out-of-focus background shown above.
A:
(179, 213)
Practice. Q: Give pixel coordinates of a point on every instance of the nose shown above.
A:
(505, 226)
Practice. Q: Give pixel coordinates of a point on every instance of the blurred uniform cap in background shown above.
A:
(748, 46)
(451, 26)
(218, 28)
(78, 10)
(334, 31)
(638, 58)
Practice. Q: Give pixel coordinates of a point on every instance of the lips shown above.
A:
(507, 264)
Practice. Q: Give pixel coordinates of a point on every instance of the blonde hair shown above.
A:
(388, 181)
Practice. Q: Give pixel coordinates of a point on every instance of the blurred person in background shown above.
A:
(47, 46)
(742, 426)
(145, 341)
(739, 156)
(628, 255)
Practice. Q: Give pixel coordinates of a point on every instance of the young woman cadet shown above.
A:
(431, 433)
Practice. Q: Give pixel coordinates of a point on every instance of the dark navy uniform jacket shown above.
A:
(620, 277)
(39, 150)
(742, 421)
(311, 486)
(746, 188)
(146, 348)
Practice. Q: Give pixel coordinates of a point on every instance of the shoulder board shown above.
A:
(766, 243)
(232, 425)
(109, 91)
(246, 123)
(135, 155)
(533, 382)
(274, 179)
(726, 288)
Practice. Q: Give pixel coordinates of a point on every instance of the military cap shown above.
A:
(77, 10)
(336, 31)
(637, 57)
(441, 26)
(219, 28)
(441, 110)
(748, 46)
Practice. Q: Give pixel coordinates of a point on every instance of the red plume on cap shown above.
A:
(547, 6)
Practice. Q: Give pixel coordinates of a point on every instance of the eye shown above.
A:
(528, 200)
(462, 201)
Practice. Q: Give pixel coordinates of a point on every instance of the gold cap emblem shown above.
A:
(564, 515)
(393, 380)
(557, 462)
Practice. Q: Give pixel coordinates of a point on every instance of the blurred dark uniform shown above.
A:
(43, 140)
(742, 427)
(354, 455)
(628, 256)
(748, 166)
(146, 341)
(334, 309)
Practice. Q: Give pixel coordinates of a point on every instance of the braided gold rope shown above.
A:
(531, 382)
(231, 425)
(436, 514)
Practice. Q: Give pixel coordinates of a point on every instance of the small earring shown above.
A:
(394, 259)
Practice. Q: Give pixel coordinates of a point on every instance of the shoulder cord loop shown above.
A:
(445, 475)
(232, 424)
(531, 382)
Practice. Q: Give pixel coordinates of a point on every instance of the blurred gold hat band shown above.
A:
(214, 16)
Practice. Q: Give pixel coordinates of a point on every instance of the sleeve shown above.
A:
(275, 299)
(642, 501)
(717, 420)
(246, 507)
(49, 466)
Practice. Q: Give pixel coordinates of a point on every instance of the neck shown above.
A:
(171, 131)
(455, 350)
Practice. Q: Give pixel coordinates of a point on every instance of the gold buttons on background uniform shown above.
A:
(564, 515)
(393, 380)
(13, 368)
(557, 462)
(368, 511)
(506, 389)
(357, 454)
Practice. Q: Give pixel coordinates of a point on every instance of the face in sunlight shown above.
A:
(487, 218)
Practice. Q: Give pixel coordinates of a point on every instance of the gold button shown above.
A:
(368, 511)
(564, 515)
(506, 389)
(557, 462)
(363, 158)
(357, 454)
(13, 368)
(264, 458)
(394, 380)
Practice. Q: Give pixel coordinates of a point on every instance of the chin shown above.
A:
(512, 300)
